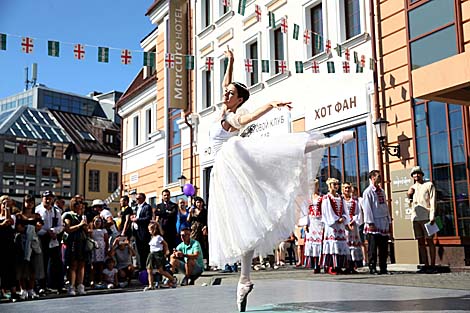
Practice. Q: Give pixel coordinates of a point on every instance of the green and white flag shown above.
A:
(359, 68)
(296, 31)
(149, 59)
(265, 66)
(331, 66)
(103, 54)
(318, 42)
(241, 7)
(356, 57)
(272, 19)
(53, 48)
(339, 50)
(3, 41)
(189, 62)
(299, 66)
(372, 64)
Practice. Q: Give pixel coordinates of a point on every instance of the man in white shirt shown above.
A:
(49, 235)
(423, 203)
(377, 223)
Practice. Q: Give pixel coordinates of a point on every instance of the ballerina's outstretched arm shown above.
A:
(243, 117)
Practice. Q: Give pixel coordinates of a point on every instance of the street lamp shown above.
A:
(381, 127)
(182, 181)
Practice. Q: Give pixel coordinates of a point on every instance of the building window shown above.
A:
(206, 13)
(347, 162)
(316, 25)
(432, 39)
(278, 48)
(174, 146)
(135, 133)
(207, 85)
(148, 123)
(253, 77)
(109, 138)
(94, 180)
(443, 156)
(352, 18)
(112, 181)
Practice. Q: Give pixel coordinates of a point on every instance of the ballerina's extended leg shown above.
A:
(245, 286)
(339, 138)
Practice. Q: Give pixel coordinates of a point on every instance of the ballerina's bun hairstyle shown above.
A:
(242, 91)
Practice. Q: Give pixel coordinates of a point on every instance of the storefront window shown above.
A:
(442, 154)
(348, 162)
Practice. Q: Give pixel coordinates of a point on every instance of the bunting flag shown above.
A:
(318, 42)
(328, 46)
(103, 54)
(241, 7)
(272, 19)
(169, 60)
(281, 66)
(258, 12)
(339, 50)
(226, 3)
(149, 59)
(346, 67)
(284, 25)
(249, 65)
(53, 48)
(306, 36)
(79, 52)
(126, 57)
(363, 61)
(209, 63)
(347, 54)
(296, 32)
(359, 68)
(330, 66)
(3, 41)
(315, 67)
(356, 57)
(265, 66)
(299, 66)
(372, 64)
(27, 45)
(189, 62)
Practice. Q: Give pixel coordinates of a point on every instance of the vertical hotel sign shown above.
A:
(178, 39)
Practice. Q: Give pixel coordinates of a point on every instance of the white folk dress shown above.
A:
(257, 187)
(335, 246)
(314, 238)
(354, 240)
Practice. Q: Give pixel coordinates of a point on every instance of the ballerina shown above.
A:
(257, 184)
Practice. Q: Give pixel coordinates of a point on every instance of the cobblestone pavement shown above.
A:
(283, 290)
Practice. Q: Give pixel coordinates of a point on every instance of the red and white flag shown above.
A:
(328, 46)
(284, 25)
(249, 65)
(209, 63)
(307, 36)
(345, 66)
(126, 56)
(169, 60)
(79, 52)
(27, 45)
(281, 66)
(258, 12)
(315, 67)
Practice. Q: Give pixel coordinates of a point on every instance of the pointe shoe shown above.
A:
(242, 294)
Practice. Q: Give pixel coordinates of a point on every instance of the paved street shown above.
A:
(288, 290)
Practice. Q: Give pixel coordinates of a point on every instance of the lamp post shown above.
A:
(381, 127)
(182, 181)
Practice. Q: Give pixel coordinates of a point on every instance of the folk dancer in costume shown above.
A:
(352, 229)
(377, 220)
(268, 174)
(335, 217)
(314, 238)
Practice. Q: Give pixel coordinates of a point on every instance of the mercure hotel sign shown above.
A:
(178, 47)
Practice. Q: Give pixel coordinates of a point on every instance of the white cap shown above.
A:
(97, 202)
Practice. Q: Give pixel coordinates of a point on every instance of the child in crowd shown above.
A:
(156, 257)
(110, 277)
(100, 235)
(123, 252)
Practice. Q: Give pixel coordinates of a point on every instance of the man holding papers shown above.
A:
(423, 203)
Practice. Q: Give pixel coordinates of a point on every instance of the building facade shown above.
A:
(424, 93)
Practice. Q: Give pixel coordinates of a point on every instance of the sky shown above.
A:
(119, 24)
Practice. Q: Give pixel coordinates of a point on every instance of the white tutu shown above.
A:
(257, 190)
